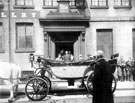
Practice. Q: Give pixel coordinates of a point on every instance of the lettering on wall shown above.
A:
(20, 14)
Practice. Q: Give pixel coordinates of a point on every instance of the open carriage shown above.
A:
(39, 85)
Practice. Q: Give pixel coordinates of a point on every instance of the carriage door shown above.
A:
(105, 41)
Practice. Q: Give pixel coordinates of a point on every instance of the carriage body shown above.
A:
(49, 72)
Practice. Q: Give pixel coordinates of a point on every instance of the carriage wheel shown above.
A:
(36, 89)
(114, 83)
(89, 84)
(40, 74)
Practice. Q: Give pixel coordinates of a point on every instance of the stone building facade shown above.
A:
(45, 27)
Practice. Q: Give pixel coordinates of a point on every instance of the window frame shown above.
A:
(2, 50)
(18, 49)
(133, 40)
(122, 6)
(81, 6)
(55, 7)
(1, 4)
(51, 7)
(103, 31)
(99, 6)
(16, 6)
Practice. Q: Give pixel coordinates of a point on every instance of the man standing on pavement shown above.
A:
(121, 69)
(102, 80)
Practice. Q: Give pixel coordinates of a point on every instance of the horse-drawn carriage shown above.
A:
(39, 85)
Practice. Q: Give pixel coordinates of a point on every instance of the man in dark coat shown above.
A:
(102, 81)
(67, 57)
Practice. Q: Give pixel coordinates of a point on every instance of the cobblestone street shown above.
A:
(69, 99)
(125, 93)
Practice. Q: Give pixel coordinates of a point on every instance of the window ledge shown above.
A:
(55, 7)
(24, 50)
(50, 7)
(99, 7)
(23, 7)
(2, 51)
(122, 7)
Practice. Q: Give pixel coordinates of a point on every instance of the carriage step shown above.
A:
(68, 89)
(58, 80)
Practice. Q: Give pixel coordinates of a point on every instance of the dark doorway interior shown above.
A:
(64, 41)
(65, 46)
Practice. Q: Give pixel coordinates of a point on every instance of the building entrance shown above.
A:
(64, 41)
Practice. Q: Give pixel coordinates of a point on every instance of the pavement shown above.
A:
(125, 93)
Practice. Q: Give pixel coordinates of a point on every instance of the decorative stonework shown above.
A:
(45, 36)
(65, 12)
(63, 6)
(83, 35)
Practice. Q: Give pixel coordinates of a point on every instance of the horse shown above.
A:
(10, 74)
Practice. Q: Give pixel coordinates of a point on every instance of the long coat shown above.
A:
(121, 71)
(102, 82)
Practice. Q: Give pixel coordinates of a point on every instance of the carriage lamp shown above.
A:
(114, 55)
(31, 57)
(38, 59)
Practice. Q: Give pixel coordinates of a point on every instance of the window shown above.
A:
(79, 3)
(24, 2)
(1, 37)
(54, 3)
(98, 2)
(122, 2)
(1, 4)
(50, 3)
(72, 2)
(24, 35)
(105, 41)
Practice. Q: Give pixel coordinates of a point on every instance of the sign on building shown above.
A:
(20, 14)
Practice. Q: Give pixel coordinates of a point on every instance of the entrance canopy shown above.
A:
(64, 29)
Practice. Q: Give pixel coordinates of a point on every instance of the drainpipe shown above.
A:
(9, 42)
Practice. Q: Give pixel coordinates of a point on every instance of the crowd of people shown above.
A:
(125, 70)
(65, 56)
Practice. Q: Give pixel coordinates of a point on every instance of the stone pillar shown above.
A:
(45, 36)
(46, 44)
(82, 44)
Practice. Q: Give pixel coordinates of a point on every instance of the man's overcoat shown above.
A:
(102, 82)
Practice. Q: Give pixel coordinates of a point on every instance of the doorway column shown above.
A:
(49, 50)
(79, 46)
(45, 44)
(82, 44)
